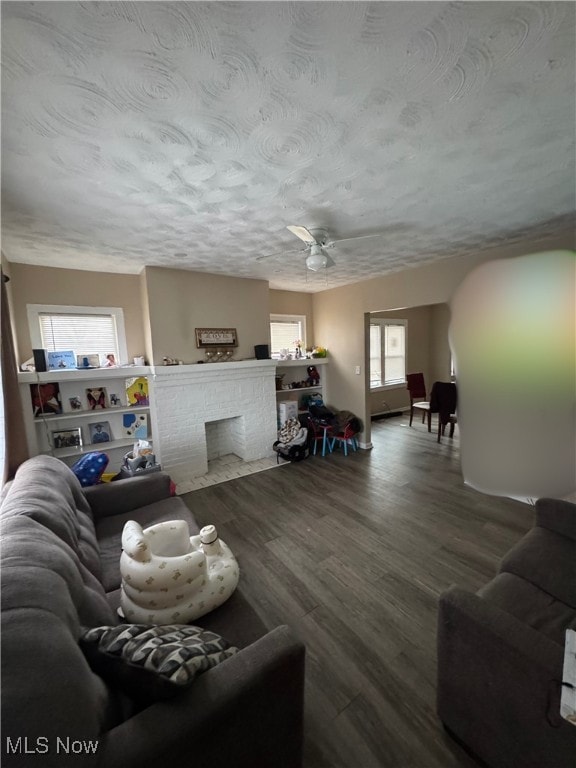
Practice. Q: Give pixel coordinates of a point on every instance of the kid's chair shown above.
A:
(345, 439)
(320, 433)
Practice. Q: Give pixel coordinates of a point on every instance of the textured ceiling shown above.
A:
(189, 135)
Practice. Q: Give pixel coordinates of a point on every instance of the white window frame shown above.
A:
(289, 319)
(35, 310)
(382, 322)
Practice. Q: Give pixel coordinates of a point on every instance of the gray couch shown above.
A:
(60, 573)
(500, 651)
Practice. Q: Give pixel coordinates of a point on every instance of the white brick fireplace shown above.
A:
(234, 404)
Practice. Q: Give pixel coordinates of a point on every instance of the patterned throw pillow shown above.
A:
(153, 662)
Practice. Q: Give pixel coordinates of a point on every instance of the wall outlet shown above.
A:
(357, 370)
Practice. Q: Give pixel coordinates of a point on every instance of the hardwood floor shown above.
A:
(353, 552)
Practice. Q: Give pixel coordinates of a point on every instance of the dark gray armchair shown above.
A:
(501, 650)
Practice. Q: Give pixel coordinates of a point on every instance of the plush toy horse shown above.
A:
(170, 577)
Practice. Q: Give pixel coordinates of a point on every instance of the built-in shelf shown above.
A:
(60, 453)
(299, 373)
(101, 412)
(72, 385)
(297, 389)
(303, 361)
(129, 371)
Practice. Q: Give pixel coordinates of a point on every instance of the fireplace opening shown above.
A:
(225, 442)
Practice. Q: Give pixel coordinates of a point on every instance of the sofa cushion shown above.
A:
(153, 662)
(544, 558)
(46, 490)
(109, 533)
(530, 605)
(557, 515)
(44, 601)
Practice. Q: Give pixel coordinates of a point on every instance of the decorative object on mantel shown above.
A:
(83, 362)
(171, 361)
(62, 361)
(168, 575)
(218, 355)
(319, 352)
(216, 337)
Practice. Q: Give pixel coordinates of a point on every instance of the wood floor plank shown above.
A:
(353, 553)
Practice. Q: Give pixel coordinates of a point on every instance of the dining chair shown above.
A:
(417, 388)
(443, 401)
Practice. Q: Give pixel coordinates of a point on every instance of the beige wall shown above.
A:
(339, 314)
(7, 270)
(293, 303)
(46, 285)
(180, 301)
(440, 354)
(146, 328)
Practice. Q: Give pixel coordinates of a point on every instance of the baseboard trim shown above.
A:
(366, 446)
(387, 414)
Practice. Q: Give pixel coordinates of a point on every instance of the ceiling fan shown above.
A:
(317, 242)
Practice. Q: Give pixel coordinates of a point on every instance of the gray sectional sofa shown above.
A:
(60, 575)
(501, 651)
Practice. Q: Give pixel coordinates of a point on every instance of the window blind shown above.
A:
(84, 334)
(283, 334)
(375, 356)
(387, 353)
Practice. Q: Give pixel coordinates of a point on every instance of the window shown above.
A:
(85, 330)
(285, 330)
(387, 353)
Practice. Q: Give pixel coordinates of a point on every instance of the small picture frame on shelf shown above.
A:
(99, 432)
(46, 398)
(67, 438)
(97, 398)
(61, 360)
(115, 401)
(85, 362)
(75, 403)
(137, 391)
(135, 425)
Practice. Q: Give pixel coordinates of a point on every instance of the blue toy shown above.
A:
(90, 468)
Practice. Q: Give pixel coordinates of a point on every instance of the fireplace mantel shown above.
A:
(202, 370)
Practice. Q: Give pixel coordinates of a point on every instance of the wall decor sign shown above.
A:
(58, 361)
(216, 337)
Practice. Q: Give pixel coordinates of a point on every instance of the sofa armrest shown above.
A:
(558, 516)
(499, 685)
(121, 496)
(247, 712)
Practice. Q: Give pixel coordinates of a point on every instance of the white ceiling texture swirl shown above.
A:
(190, 134)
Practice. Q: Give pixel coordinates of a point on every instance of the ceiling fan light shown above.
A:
(317, 259)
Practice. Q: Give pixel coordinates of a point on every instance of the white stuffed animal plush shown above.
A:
(171, 577)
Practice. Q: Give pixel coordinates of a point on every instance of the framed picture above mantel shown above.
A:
(216, 337)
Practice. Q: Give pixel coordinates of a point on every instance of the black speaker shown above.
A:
(40, 359)
(262, 352)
